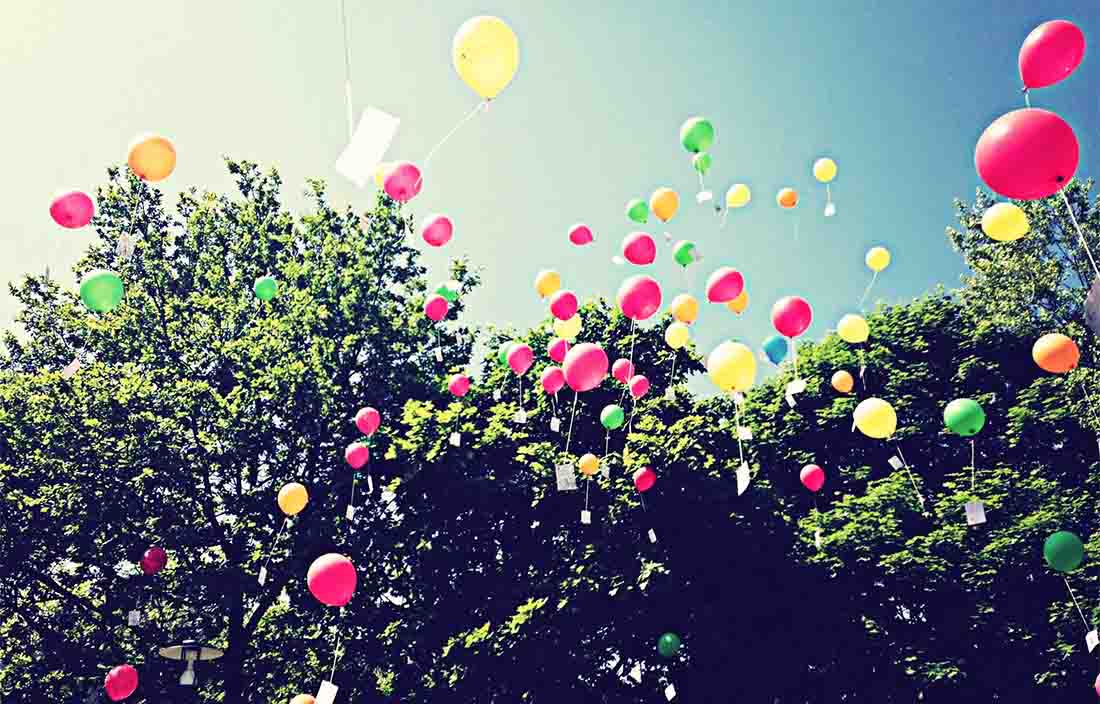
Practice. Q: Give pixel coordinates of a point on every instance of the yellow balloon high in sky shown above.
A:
(853, 328)
(547, 282)
(732, 367)
(738, 196)
(677, 335)
(568, 329)
(739, 304)
(1005, 222)
(151, 157)
(664, 203)
(876, 418)
(684, 308)
(825, 169)
(486, 55)
(878, 258)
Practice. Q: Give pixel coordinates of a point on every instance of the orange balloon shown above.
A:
(787, 198)
(843, 382)
(152, 157)
(1056, 353)
(303, 699)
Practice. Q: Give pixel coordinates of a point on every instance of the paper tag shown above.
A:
(738, 398)
(896, 462)
(743, 476)
(327, 693)
(830, 209)
(263, 576)
(975, 513)
(670, 395)
(520, 416)
(790, 401)
(71, 368)
(496, 394)
(1092, 639)
(744, 433)
(438, 354)
(636, 672)
(670, 692)
(555, 425)
(796, 387)
(350, 513)
(652, 536)
(817, 538)
(862, 371)
(133, 618)
(456, 439)
(567, 480)
(370, 485)
(586, 517)
(125, 248)
(605, 469)
(703, 197)
(368, 146)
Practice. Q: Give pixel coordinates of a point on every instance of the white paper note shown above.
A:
(743, 476)
(670, 692)
(738, 398)
(327, 693)
(744, 433)
(586, 517)
(368, 146)
(263, 576)
(520, 416)
(830, 209)
(975, 513)
(817, 538)
(605, 469)
(133, 618)
(370, 485)
(456, 438)
(438, 354)
(350, 513)
(670, 395)
(71, 368)
(790, 400)
(555, 425)
(703, 197)
(796, 387)
(652, 536)
(496, 394)
(636, 672)
(1092, 639)
(567, 479)
(896, 462)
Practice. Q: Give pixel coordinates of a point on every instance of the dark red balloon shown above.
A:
(1050, 53)
(644, 479)
(120, 682)
(154, 560)
(1027, 154)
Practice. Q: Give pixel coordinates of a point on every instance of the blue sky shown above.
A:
(896, 92)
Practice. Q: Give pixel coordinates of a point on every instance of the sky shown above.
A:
(896, 92)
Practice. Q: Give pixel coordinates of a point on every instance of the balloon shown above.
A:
(552, 378)
(644, 479)
(668, 644)
(876, 418)
(738, 196)
(303, 699)
(436, 307)
(151, 157)
(436, 230)
(585, 367)
(486, 55)
(843, 382)
(589, 464)
(265, 288)
(677, 335)
(812, 477)
(639, 248)
(1050, 53)
(732, 367)
(293, 497)
(1056, 353)
(1096, 685)
(381, 172)
(787, 198)
(791, 316)
(612, 417)
(684, 308)
(580, 234)
(367, 420)
(639, 386)
(639, 297)
(637, 210)
(449, 290)
(697, 134)
(775, 348)
(459, 385)
(739, 304)
(563, 305)
(356, 454)
(101, 290)
(403, 181)
(331, 579)
(568, 329)
(724, 285)
(502, 353)
(557, 349)
(72, 209)
(853, 328)
(877, 259)
(1063, 551)
(685, 253)
(664, 203)
(154, 560)
(1027, 154)
(1005, 222)
(964, 416)
(520, 358)
(701, 162)
(825, 169)
(120, 682)
(622, 370)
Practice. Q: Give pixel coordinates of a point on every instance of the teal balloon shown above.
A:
(1063, 551)
(637, 210)
(697, 134)
(668, 645)
(775, 347)
(964, 416)
(101, 291)
(266, 287)
(612, 417)
(684, 252)
(449, 290)
(701, 162)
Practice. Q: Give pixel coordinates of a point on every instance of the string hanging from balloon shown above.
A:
(912, 479)
(347, 69)
(483, 106)
(1080, 233)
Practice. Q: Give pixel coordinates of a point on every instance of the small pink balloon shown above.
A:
(639, 248)
(580, 234)
(436, 307)
(585, 367)
(812, 477)
(403, 181)
(553, 378)
(459, 385)
(520, 358)
(1027, 154)
(331, 579)
(622, 370)
(791, 315)
(72, 209)
(154, 560)
(639, 386)
(1050, 53)
(563, 305)
(120, 682)
(1096, 685)
(644, 479)
(724, 285)
(367, 420)
(639, 297)
(356, 454)
(557, 349)
(436, 230)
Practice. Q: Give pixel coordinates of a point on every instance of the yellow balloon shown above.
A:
(685, 308)
(486, 55)
(878, 258)
(589, 464)
(677, 335)
(664, 203)
(568, 329)
(825, 169)
(1005, 222)
(739, 304)
(151, 157)
(876, 418)
(293, 498)
(547, 282)
(738, 196)
(381, 173)
(853, 328)
(732, 367)
(843, 382)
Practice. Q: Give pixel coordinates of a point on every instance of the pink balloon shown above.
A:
(580, 234)
(1027, 154)
(520, 358)
(724, 285)
(639, 248)
(563, 305)
(639, 297)
(553, 378)
(459, 385)
(1096, 685)
(812, 477)
(436, 230)
(1050, 53)
(644, 479)
(331, 579)
(72, 209)
(120, 682)
(154, 560)
(622, 370)
(436, 307)
(791, 316)
(367, 420)
(356, 454)
(557, 349)
(639, 386)
(403, 182)
(585, 367)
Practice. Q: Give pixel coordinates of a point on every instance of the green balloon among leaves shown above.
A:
(101, 291)
(668, 645)
(1063, 551)
(964, 417)
(612, 416)
(266, 287)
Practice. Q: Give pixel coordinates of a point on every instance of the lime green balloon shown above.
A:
(612, 417)
(697, 134)
(502, 353)
(101, 291)
(1063, 551)
(449, 290)
(668, 644)
(964, 416)
(266, 287)
(684, 252)
(701, 162)
(637, 210)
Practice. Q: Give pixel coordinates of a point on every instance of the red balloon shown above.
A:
(520, 358)
(557, 349)
(1027, 154)
(639, 297)
(639, 248)
(622, 370)
(724, 285)
(331, 579)
(72, 209)
(437, 230)
(1050, 53)
(367, 420)
(563, 305)
(120, 682)
(644, 479)
(553, 378)
(436, 307)
(791, 316)
(580, 234)
(812, 477)
(585, 367)
(403, 181)
(639, 386)
(356, 454)
(459, 385)
(154, 560)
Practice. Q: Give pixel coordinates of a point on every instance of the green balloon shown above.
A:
(101, 291)
(266, 287)
(684, 252)
(701, 162)
(697, 134)
(449, 290)
(1063, 551)
(502, 353)
(964, 416)
(612, 417)
(668, 644)
(637, 210)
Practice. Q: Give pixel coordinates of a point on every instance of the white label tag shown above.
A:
(370, 485)
(862, 371)
(456, 439)
(520, 416)
(72, 368)
(670, 692)
(263, 576)
(350, 513)
(636, 672)
(368, 146)
(586, 517)
(438, 354)
(1092, 639)
(652, 536)
(790, 401)
(555, 425)
(567, 480)
(975, 513)
(743, 476)
(133, 618)
(896, 462)
(796, 387)
(744, 433)
(496, 394)
(700, 198)
(830, 209)
(327, 693)
(738, 398)
(817, 538)
(670, 395)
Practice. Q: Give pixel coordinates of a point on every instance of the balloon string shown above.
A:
(1074, 597)
(867, 290)
(725, 214)
(606, 442)
(973, 467)
(484, 105)
(354, 481)
(737, 415)
(622, 396)
(794, 354)
(569, 435)
(1027, 97)
(672, 372)
(587, 486)
(828, 194)
(862, 369)
(347, 70)
(276, 542)
(521, 394)
(912, 480)
(336, 654)
(1080, 234)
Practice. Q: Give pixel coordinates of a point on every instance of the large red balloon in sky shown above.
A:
(1050, 53)
(1027, 154)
